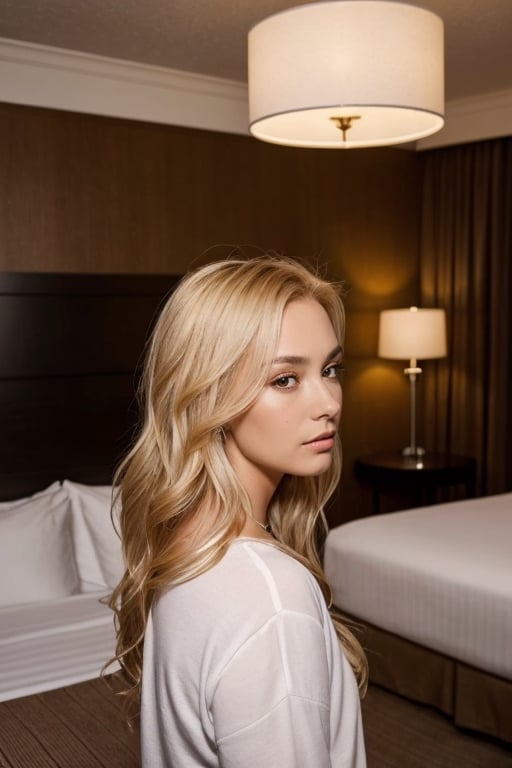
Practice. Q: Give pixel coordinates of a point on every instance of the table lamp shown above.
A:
(412, 334)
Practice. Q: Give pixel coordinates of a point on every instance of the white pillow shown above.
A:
(36, 549)
(8, 505)
(97, 545)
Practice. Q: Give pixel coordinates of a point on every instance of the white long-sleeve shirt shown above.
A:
(243, 669)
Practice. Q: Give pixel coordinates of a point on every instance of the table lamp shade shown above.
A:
(412, 334)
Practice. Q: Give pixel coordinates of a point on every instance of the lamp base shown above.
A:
(416, 451)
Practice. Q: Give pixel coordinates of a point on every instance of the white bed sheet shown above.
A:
(440, 576)
(51, 644)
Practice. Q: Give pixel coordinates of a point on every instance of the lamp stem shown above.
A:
(412, 449)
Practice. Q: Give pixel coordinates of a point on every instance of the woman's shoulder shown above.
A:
(254, 576)
(256, 597)
(266, 558)
(268, 577)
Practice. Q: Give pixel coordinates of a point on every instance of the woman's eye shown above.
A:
(285, 382)
(334, 371)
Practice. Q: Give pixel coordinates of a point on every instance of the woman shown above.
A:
(224, 632)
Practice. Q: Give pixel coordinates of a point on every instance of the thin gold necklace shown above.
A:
(267, 528)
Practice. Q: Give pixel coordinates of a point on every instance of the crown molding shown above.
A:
(56, 78)
(475, 118)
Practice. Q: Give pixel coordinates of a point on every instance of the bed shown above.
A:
(70, 353)
(60, 557)
(433, 588)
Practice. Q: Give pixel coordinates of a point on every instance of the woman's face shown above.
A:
(290, 428)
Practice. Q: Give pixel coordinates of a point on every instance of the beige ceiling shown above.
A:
(210, 36)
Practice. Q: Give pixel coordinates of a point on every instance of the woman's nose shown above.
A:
(328, 400)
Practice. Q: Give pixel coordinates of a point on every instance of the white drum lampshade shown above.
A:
(346, 73)
(412, 334)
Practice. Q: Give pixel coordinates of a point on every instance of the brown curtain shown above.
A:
(466, 267)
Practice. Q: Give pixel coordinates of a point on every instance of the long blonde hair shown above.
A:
(222, 321)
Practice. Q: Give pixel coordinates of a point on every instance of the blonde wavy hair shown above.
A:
(209, 358)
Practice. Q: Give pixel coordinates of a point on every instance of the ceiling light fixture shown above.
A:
(346, 73)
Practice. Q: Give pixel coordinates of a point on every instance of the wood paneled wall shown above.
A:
(81, 193)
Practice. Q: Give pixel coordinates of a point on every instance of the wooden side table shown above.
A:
(422, 475)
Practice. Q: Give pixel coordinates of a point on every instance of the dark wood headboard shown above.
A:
(70, 353)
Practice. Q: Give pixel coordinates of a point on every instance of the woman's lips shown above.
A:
(322, 442)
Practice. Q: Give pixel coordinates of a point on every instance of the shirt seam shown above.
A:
(272, 619)
(287, 697)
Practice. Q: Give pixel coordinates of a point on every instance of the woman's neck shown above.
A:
(254, 529)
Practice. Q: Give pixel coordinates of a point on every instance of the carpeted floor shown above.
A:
(81, 726)
(401, 734)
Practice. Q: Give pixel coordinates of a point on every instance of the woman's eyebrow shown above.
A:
(338, 350)
(297, 360)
